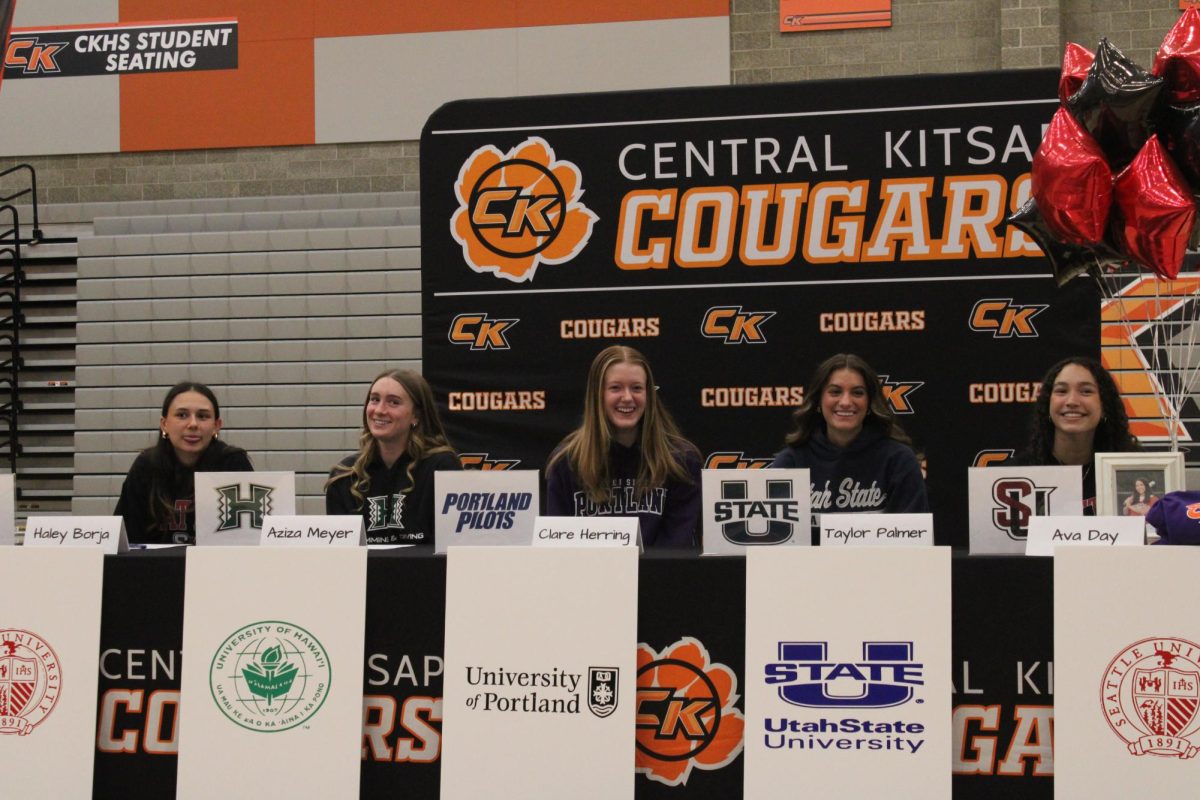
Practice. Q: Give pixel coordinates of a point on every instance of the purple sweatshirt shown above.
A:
(668, 515)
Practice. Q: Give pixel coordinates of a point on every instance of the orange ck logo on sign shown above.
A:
(1004, 318)
(33, 56)
(480, 332)
(735, 325)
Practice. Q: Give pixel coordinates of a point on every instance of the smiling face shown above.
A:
(844, 406)
(1075, 405)
(190, 425)
(1139, 486)
(389, 413)
(623, 397)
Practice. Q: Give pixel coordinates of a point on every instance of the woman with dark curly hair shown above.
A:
(1077, 414)
(157, 499)
(858, 457)
(390, 479)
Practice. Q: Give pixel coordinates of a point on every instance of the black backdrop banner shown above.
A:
(738, 236)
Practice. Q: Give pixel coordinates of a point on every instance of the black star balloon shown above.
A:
(1116, 104)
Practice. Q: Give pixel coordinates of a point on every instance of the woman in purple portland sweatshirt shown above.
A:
(857, 455)
(627, 458)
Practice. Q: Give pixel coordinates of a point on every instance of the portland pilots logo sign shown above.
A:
(519, 209)
(30, 681)
(1150, 694)
(270, 676)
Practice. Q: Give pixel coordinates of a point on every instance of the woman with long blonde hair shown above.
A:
(390, 479)
(627, 457)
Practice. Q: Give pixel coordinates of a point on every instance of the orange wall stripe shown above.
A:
(268, 100)
(258, 20)
(373, 17)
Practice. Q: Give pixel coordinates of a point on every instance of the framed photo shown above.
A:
(1127, 484)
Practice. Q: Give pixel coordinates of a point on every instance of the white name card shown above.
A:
(105, 533)
(876, 530)
(586, 532)
(484, 507)
(313, 531)
(1047, 533)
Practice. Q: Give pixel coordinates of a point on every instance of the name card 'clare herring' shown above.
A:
(586, 532)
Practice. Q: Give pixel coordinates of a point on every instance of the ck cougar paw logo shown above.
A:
(519, 209)
(686, 712)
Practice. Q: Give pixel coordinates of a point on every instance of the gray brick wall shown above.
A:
(1135, 26)
(235, 172)
(927, 36)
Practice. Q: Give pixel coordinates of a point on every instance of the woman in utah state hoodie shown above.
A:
(858, 457)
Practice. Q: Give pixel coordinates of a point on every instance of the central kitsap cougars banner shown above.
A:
(738, 236)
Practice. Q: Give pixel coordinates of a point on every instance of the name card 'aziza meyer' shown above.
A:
(312, 531)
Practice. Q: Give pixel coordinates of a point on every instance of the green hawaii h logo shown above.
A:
(231, 505)
(270, 676)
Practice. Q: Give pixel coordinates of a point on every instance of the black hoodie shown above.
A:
(872, 474)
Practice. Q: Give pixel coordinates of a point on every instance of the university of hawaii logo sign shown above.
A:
(270, 676)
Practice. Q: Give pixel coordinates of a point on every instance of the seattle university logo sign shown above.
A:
(30, 681)
(1150, 694)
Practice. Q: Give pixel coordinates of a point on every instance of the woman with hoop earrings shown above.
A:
(158, 498)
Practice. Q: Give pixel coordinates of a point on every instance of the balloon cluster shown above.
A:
(1114, 179)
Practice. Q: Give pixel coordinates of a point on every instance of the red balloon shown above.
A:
(1072, 182)
(1177, 61)
(1076, 61)
(1156, 211)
